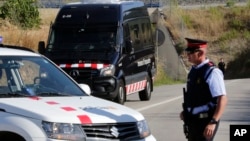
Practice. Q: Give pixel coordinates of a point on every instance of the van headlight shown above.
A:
(108, 71)
(63, 131)
(143, 128)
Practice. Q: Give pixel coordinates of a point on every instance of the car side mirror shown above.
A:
(128, 46)
(41, 47)
(85, 88)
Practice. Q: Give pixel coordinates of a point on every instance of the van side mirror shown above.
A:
(128, 46)
(41, 47)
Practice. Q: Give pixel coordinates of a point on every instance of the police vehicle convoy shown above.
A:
(108, 45)
(40, 102)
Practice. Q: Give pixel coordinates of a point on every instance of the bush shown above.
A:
(23, 13)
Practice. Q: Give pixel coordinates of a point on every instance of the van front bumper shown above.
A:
(104, 87)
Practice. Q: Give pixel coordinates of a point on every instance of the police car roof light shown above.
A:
(1, 39)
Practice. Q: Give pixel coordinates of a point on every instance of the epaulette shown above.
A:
(211, 64)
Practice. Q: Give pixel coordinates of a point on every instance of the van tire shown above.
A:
(121, 95)
(145, 94)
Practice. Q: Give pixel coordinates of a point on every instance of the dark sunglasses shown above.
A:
(193, 51)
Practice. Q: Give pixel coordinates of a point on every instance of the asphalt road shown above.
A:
(162, 111)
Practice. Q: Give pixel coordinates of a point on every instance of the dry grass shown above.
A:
(213, 25)
(29, 38)
(227, 30)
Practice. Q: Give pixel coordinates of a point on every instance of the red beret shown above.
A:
(193, 44)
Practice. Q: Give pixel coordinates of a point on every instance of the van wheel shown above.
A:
(121, 96)
(146, 93)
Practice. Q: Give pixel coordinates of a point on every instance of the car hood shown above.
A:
(81, 110)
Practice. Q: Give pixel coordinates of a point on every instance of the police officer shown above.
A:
(205, 97)
(222, 65)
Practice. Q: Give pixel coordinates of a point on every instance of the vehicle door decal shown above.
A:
(135, 87)
(143, 62)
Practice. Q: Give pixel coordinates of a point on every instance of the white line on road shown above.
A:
(157, 104)
(175, 98)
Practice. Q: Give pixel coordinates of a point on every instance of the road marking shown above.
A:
(175, 98)
(157, 104)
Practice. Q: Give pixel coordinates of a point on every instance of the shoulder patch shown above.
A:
(210, 63)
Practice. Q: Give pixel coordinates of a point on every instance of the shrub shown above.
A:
(23, 13)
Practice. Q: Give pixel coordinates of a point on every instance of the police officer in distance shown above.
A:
(205, 98)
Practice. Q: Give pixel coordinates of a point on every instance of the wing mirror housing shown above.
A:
(85, 88)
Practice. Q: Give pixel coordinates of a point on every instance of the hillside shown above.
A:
(227, 30)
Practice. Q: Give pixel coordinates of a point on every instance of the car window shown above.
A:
(34, 76)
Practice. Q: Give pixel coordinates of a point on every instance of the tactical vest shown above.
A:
(198, 92)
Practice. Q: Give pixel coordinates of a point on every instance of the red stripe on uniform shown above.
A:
(84, 119)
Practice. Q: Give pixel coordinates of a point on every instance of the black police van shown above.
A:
(107, 45)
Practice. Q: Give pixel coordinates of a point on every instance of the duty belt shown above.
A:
(200, 116)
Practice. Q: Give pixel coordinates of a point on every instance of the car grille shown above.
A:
(125, 131)
(85, 73)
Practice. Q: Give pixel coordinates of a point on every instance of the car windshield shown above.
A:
(34, 76)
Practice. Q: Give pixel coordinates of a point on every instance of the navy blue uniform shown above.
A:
(201, 98)
(205, 88)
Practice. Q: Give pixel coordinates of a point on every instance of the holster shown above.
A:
(185, 119)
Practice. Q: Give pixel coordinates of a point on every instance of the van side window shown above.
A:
(140, 33)
(149, 33)
(146, 34)
(135, 34)
(126, 34)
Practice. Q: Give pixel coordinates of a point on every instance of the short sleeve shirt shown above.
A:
(215, 81)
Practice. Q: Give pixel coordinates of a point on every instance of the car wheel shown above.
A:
(145, 94)
(121, 96)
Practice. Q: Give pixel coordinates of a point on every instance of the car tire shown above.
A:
(121, 96)
(145, 94)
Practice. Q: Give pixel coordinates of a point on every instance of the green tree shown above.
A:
(23, 13)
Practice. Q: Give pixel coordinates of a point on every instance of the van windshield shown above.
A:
(85, 28)
(72, 38)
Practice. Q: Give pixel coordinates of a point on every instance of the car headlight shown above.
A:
(63, 131)
(108, 71)
(143, 128)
